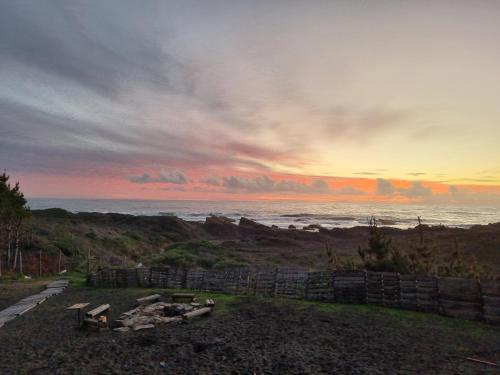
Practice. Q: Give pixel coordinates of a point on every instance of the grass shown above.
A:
(200, 254)
(224, 302)
(76, 279)
(403, 318)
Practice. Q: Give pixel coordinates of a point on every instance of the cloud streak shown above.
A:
(165, 176)
(265, 184)
(416, 189)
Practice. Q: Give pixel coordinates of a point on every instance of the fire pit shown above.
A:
(146, 316)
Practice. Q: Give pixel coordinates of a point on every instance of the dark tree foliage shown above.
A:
(13, 212)
(382, 255)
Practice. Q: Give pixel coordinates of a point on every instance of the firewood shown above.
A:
(166, 319)
(148, 299)
(195, 313)
(143, 326)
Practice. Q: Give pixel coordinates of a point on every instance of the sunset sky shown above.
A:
(328, 100)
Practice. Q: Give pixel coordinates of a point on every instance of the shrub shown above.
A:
(200, 254)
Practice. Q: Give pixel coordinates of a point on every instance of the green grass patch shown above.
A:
(76, 279)
(200, 254)
(403, 318)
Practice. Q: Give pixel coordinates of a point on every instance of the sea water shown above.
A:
(285, 213)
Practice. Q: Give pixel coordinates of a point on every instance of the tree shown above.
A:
(13, 212)
(381, 254)
(423, 258)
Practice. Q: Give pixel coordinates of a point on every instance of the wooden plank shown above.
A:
(98, 310)
(491, 300)
(490, 288)
(78, 306)
(58, 284)
(25, 308)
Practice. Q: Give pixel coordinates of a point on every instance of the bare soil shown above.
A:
(13, 291)
(246, 336)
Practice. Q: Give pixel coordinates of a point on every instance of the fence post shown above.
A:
(40, 264)
(334, 297)
(202, 283)
(365, 275)
(438, 293)
(184, 278)
(276, 273)
(480, 287)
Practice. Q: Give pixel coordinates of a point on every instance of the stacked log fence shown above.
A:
(455, 297)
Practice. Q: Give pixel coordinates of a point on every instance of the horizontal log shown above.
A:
(489, 310)
(461, 298)
(494, 319)
(408, 278)
(195, 313)
(462, 313)
(426, 286)
(98, 310)
(491, 300)
(349, 278)
(425, 297)
(148, 299)
(490, 287)
(143, 326)
(448, 304)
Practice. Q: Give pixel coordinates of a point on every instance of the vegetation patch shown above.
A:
(204, 254)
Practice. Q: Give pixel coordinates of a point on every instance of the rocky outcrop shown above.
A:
(247, 223)
(221, 227)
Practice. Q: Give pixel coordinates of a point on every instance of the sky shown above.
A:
(391, 101)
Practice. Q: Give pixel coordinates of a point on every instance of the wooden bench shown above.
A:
(98, 311)
(97, 318)
(149, 299)
(78, 307)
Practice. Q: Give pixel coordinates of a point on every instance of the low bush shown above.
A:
(203, 254)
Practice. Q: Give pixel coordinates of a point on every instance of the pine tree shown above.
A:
(13, 212)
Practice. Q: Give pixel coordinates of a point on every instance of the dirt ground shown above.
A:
(11, 292)
(246, 336)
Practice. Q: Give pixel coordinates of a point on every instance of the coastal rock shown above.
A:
(214, 219)
(314, 228)
(221, 227)
(247, 223)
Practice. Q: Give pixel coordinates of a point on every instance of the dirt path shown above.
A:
(28, 303)
(11, 292)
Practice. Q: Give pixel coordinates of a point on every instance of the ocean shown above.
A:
(285, 213)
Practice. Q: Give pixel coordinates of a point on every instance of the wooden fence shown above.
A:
(455, 297)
